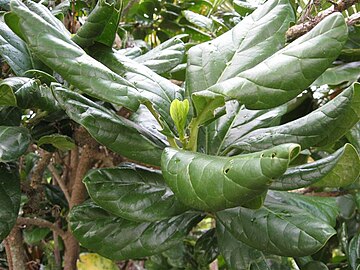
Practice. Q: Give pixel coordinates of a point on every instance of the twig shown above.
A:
(37, 175)
(60, 182)
(353, 19)
(41, 223)
(298, 30)
(128, 7)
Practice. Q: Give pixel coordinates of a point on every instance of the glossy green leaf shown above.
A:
(339, 169)
(315, 265)
(55, 196)
(348, 72)
(41, 76)
(10, 198)
(59, 141)
(100, 25)
(213, 183)
(14, 142)
(354, 252)
(319, 128)
(164, 57)
(277, 228)
(115, 132)
(324, 208)
(254, 39)
(354, 136)
(119, 239)
(285, 74)
(7, 96)
(237, 122)
(57, 51)
(34, 235)
(238, 255)
(10, 116)
(243, 7)
(155, 90)
(133, 192)
(14, 50)
(206, 248)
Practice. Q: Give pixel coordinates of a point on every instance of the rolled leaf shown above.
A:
(339, 169)
(213, 183)
(277, 228)
(13, 49)
(289, 71)
(101, 24)
(254, 39)
(115, 190)
(120, 239)
(154, 89)
(319, 128)
(164, 57)
(10, 196)
(115, 132)
(14, 142)
(56, 50)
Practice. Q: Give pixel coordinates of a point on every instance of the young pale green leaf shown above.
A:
(213, 183)
(155, 91)
(120, 239)
(14, 142)
(339, 169)
(348, 72)
(59, 141)
(10, 195)
(238, 255)
(254, 39)
(7, 87)
(277, 228)
(115, 132)
(179, 111)
(285, 74)
(115, 190)
(13, 49)
(324, 208)
(56, 50)
(319, 128)
(164, 57)
(93, 261)
(101, 24)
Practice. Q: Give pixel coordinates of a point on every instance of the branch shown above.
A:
(41, 223)
(37, 175)
(60, 182)
(298, 30)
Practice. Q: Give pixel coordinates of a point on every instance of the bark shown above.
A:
(14, 250)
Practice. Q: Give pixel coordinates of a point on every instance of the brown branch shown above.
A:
(14, 250)
(37, 175)
(60, 181)
(353, 19)
(41, 223)
(298, 30)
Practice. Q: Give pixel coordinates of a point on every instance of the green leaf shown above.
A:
(354, 136)
(199, 20)
(213, 183)
(324, 208)
(277, 228)
(238, 255)
(14, 142)
(319, 128)
(10, 198)
(179, 111)
(55, 196)
(115, 132)
(315, 265)
(7, 96)
(10, 116)
(250, 42)
(56, 50)
(13, 49)
(117, 189)
(339, 169)
(61, 142)
(101, 24)
(41, 76)
(285, 74)
(122, 239)
(348, 72)
(155, 91)
(33, 236)
(244, 8)
(164, 57)
(354, 252)
(206, 248)
(93, 261)
(237, 122)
